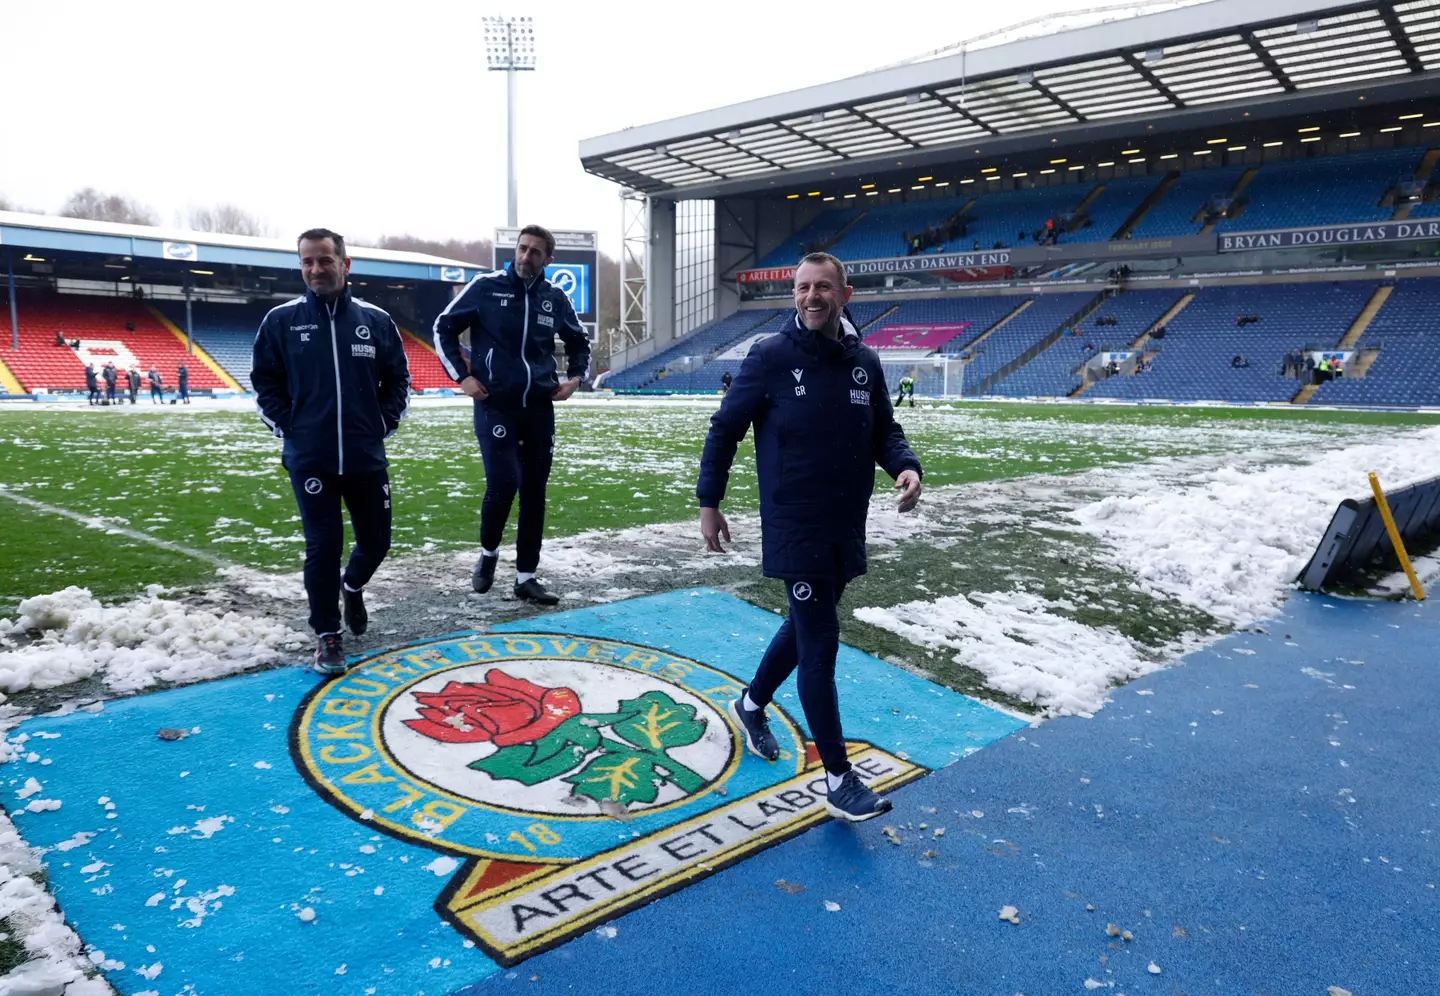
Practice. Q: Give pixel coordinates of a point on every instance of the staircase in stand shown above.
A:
(1144, 337)
(1151, 199)
(1234, 195)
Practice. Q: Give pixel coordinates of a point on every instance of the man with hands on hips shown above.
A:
(513, 316)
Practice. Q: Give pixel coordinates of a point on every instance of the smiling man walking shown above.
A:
(513, 316)
(332, 380)
(823, 420)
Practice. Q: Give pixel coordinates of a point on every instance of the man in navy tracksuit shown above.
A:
(823, 420)
(331, 379)
(513, 316)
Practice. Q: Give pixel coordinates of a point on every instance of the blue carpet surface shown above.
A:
(1262, 820)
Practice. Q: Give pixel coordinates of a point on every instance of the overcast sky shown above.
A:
(380, 117)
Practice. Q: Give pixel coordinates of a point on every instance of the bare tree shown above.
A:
(228, 219)
(90, 203)
(476, 252)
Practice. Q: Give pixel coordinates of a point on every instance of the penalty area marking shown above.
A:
(100, 522)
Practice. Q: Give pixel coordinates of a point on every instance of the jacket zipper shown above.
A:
(339, 410)
(524, 333)
(489, 370)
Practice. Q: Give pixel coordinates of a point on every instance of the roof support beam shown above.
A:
(813, 141)
(1402, 40)
(962, 112)
(1268, 61)
(1050, 94)
(882, 126)
(1150, 77)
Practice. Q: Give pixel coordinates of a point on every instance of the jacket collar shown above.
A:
(341, 302)
(813, 342)
(539, 283)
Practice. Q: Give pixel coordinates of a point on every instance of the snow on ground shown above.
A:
(1232, 541)
(1022, 647)
(57, 961)
(133, 645)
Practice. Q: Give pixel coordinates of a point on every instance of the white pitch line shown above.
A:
(100, 522)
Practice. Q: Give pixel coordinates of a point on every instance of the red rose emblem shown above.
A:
(501, 709)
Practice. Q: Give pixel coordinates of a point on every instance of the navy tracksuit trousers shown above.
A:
(367, 496)
(809, 640)
(517, 445)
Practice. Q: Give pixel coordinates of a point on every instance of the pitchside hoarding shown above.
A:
(575, 269)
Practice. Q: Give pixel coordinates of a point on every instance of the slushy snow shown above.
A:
(136, 644)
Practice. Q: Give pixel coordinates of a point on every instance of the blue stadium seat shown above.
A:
(225, 331)
(1052, 373)
(1193, 361)
(1407, 370)
(1329, 190)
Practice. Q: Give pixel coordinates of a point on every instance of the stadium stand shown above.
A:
(1323, 191)
(1407, 369)
(880, 232)
(100, 324)
(1108, 211)
(1194, 360)
(1000, 218)
(708, 339)
(818, 235)
(1052, 372)
(1175, 212)
(225, 331)
(980, 313)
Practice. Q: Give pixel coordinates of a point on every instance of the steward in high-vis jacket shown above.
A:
(817, 399)
(331, 379)
(513, 316)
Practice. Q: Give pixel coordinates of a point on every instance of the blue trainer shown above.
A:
(758, 738)
(853, 801)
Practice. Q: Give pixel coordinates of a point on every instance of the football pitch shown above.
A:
(1111, 536)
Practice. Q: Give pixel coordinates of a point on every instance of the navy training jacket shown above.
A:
(512, 328)
(822, 422)
(332, 381)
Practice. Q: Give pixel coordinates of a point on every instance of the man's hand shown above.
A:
(712, 527)
(474, 388)
(908, 484)
(564, 389)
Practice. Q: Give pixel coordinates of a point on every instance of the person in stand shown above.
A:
(817, 399)
(513, 316)
(92, 384)
(331, 379)
(59, 338)
(182, 379)
(907, 389)
(157, 388)
(725, 380)
(132, 383)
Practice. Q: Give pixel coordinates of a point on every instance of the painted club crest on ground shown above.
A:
(577, 777)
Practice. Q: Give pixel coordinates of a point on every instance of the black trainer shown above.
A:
(534, 591)
(758, 738)
(356, 618)
(484, 574)
(855, 802)
(330, 656)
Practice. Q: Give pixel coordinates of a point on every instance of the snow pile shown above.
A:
(56, 960)
(1231, 541)
(135, 645)
(1021, 647)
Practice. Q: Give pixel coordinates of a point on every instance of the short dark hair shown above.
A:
(539, 233)
(316, 234)
(824, 258)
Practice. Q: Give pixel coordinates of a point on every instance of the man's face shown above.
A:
(324, 270)
(819, 296)
(531, 257)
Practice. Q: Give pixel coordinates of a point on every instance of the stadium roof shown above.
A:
(1173, 69)
(39, 231)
